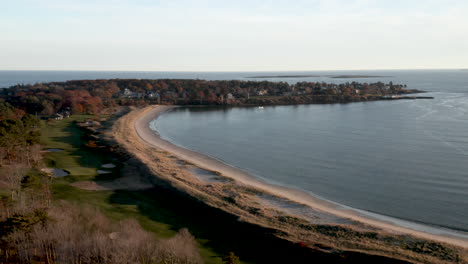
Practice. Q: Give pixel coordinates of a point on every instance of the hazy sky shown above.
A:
(241, 35)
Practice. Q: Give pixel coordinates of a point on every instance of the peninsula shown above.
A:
(91, 96)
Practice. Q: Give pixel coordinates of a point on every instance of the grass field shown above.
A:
(63, 134)
(157, 211)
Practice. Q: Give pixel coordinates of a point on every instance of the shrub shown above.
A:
(84, 235)
(231, 258)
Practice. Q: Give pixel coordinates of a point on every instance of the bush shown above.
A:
(84, 235)
(34, 179)
(22, 222)
(231, 258)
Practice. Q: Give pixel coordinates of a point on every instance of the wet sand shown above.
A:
(141, 126)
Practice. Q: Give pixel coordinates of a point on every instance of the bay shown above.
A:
(405, 159)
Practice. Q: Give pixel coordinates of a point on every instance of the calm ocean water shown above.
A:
(405, 159)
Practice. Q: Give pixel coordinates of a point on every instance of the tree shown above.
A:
(231, 258)
(48, 108)
(6, 111)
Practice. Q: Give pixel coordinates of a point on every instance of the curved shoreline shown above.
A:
(141, 126)
(405, 223)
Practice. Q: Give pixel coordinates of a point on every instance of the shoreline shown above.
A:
(141, 126)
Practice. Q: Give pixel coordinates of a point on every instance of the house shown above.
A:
(152, 94)
(57, 116)
(65, 114)
(262, 92)
(127, 92)
(230, 98)
(130, 94)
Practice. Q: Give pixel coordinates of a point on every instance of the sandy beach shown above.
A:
(164, 159)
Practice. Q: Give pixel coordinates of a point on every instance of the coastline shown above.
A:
(205, 162)
(341, 229)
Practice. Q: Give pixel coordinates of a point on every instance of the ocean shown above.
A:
(406, 159)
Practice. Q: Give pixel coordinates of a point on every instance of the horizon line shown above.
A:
(226, 71)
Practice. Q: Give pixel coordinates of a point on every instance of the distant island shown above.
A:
(311, 75)
(358, 76)
(283, 76)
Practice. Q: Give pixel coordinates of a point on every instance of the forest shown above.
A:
(36, 228)
(91, 96)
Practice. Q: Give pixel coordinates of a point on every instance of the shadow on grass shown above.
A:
(217, 229)
(76, 154)
(224, 233)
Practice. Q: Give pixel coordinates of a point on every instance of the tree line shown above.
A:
(91, 96)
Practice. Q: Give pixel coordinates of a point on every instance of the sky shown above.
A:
(241, 35)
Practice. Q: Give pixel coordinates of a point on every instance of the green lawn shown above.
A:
(65, 135)
(151, 208)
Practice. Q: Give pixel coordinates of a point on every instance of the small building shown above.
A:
(230, 98)
(152, 94)
(65, 114)
(57, 116)
(262, 92)
(130, 94)
(127, 92)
